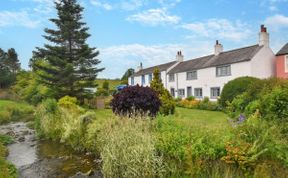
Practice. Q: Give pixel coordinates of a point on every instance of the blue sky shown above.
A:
(149, 31)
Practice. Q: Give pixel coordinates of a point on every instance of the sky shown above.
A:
(127, 32)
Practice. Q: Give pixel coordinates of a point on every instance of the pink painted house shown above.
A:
(282, 63)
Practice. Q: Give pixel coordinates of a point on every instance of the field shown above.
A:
(14, 111)
(112, 83)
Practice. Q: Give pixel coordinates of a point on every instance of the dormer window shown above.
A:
(223, 71)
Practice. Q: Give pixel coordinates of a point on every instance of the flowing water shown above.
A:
(36, 159)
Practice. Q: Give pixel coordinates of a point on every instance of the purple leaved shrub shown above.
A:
(136, 101)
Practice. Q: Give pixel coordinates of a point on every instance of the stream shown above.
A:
(40, 159)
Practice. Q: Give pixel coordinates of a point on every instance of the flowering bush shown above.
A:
(192, 103)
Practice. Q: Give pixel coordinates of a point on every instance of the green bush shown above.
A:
(275, 104)
(190, 98)
(235, 87)
(167, 102)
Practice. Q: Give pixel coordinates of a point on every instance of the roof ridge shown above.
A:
(222, 52)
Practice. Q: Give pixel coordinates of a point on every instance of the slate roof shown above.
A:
(283, 50)
(162, 67)
(224, 58)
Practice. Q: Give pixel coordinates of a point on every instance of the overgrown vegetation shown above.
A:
(190, 143)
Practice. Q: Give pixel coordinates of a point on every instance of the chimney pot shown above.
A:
(179, 56)
(218, 48)
(263, 36)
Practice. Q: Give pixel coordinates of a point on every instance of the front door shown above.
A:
(189, 91)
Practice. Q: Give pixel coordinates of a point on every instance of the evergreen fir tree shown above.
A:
(167, 101)
(12, 61)
(67, 63)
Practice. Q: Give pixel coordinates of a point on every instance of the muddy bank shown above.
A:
(36, 158)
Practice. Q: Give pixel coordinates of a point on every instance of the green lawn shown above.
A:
(188, 117)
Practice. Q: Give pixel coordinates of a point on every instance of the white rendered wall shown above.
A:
(138, 79)
(263, 63)
(207, 78)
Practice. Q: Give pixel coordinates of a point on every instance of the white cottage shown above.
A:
(206, 76)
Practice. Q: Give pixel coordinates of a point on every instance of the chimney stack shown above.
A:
(218, 48)
(139, 67)
(179, 57)
(263, 36)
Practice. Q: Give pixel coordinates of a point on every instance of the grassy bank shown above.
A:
(15, 111)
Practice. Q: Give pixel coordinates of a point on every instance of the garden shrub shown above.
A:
(190, 98)
(167, 102)
(235, 87)
(136, 100)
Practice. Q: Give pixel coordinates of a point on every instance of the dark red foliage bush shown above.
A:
(136, 100)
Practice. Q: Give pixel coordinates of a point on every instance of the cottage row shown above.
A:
(206, 76)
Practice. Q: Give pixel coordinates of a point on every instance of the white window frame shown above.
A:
(150, 77)
(132, 81)
(143, 80)
(193, 77)
(286, 63)
(195, 89)
(171, 79)
(222, 73)
(212, 96)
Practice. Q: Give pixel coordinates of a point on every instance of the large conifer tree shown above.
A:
(67, 63)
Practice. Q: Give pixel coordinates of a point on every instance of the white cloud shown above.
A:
(122, 4)
(103, 5)
(277, 21)
(130, 55)
(154, 17)
(22, 18)
(219, 28)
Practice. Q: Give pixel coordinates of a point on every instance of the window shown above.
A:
(198, 92)
(150, 78)
(215, 92)
(286, 63)
(191, 75)
(143, 79)
(189, 91)
(181, 93)
(171, 77)
(223, 71)
(132, 80)
(172, 91)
